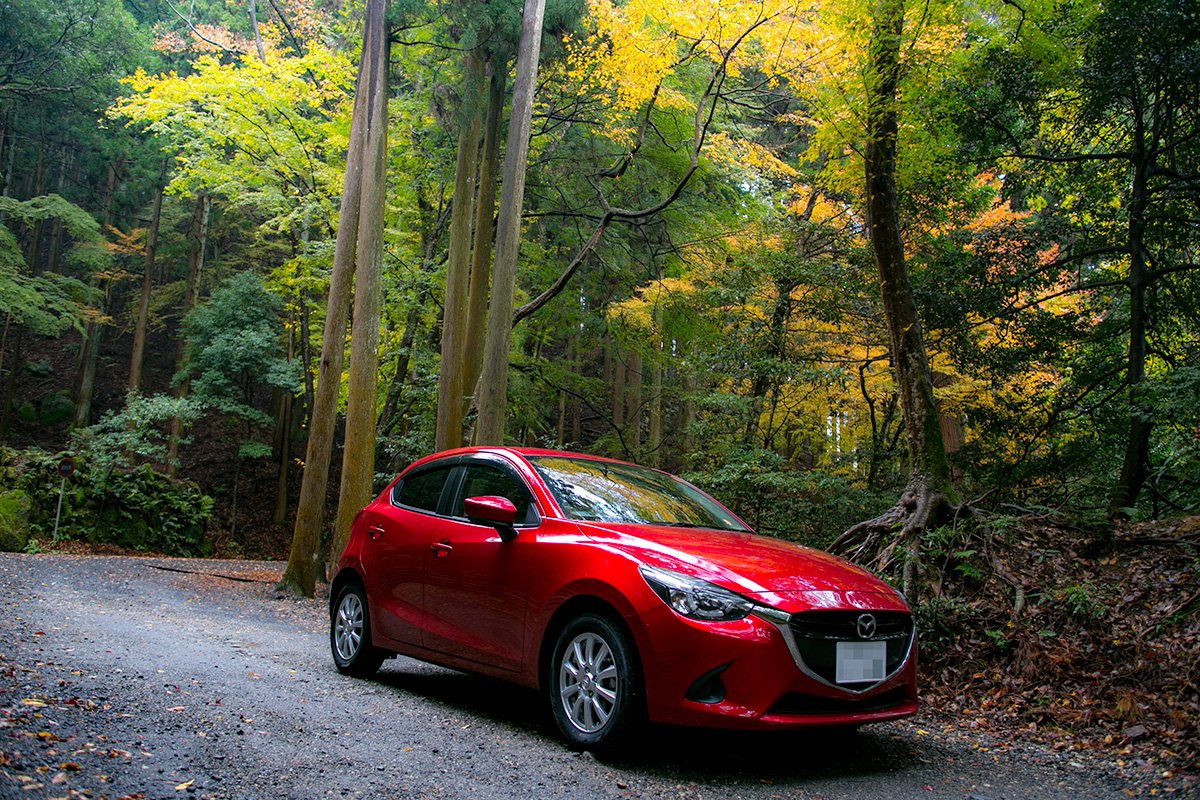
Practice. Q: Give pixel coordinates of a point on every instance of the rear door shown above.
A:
(397, 550)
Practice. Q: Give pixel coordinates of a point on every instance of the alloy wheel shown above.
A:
(589, 682)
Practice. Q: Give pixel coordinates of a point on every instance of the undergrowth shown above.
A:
(1025, 627)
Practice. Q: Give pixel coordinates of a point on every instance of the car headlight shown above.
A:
(695, 598)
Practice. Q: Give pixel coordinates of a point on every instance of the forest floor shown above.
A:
(1041, 636)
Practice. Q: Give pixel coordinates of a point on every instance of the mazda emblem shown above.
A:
(866, 626)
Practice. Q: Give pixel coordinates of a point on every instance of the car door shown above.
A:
(476, 585)
(397, 552)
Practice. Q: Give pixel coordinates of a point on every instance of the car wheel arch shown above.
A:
(569, 610)
(345, 576)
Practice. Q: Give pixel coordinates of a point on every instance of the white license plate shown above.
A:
(861, 662)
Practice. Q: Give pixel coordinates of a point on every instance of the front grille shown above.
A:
(807, 704)
(818, 632)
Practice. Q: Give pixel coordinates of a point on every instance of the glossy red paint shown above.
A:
(441, 585)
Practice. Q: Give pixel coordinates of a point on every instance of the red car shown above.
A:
(621, 592)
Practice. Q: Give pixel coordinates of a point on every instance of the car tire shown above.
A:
(350, 634)
(595, 683)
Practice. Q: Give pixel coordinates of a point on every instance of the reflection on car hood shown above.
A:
(744, 562)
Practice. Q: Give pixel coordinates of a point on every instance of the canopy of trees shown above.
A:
(816, 257)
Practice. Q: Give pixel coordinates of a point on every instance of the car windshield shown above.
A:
(603, 491)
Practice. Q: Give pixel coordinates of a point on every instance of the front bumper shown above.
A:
(749, 674)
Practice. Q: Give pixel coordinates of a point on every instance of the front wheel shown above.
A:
(594, 682)
(350, 634)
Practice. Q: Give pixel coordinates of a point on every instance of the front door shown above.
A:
(476, 585)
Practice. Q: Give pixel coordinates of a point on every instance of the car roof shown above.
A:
(524, 452)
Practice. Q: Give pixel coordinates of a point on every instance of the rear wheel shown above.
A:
(594, 682)
(350, 634)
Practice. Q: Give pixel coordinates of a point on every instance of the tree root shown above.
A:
(874, 542)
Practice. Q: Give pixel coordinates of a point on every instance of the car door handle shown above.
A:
(374, 532)
(442, 549)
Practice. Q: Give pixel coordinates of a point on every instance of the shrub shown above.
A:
(55, 408)
(134, 508)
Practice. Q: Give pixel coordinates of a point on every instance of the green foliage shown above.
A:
(137, 433)
(807, 506)
(146, 510)
(1083, 601)
(55, 409)
(62, 46)
(234, 345)
(48, 303)
(139, 508)
(252, 450)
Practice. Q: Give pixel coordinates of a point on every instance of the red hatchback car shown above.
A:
(622, 592)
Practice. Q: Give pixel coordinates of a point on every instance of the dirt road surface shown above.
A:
(161, 678)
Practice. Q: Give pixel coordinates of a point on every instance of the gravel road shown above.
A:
(161, 678)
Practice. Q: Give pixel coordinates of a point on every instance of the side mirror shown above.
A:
(499, 512)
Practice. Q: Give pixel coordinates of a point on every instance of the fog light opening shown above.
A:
(708, 688)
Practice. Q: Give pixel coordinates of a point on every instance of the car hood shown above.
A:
(771, 570)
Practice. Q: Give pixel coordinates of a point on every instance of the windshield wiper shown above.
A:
(665, 524)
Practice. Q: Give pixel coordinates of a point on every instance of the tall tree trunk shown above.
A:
(56, 230)
(687, 417)
(493, 389)
(358, 455)
(85, 382)
(11, 139)
(451, 377)
(432, 222)
(481, 252)
(576, 403)
(618, 390)
(412, 322)
(633, 404)
(1136, 460)
(258, 45)
(198, 233)
(93, 332)
(304, 559)
(283, 438)
(654, 430)
(139, 330)
(929, 489)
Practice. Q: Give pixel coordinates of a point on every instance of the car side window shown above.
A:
(486, 479)
(422, 491)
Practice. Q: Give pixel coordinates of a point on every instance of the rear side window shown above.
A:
(421, 491)
(485, 479)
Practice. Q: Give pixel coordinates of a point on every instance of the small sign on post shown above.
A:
(66, 468)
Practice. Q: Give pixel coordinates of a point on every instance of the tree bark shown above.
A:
(283, 438)
(258, 45)
(493, 382)
(633, 404)
(929, 490)
(654, 428)
(358, 453)
(1136, 459)
(481, 252)
(139, 331)
(451, 376)
(93, 332)
(198, 232)
(304, 559)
